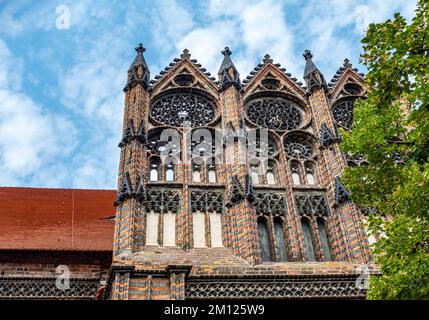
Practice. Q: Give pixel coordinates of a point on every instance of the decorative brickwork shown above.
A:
(243, 172)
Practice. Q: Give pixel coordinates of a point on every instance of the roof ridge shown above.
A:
(267, 60)
(346, 65)
(184, 55)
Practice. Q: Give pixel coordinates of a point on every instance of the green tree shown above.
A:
(391, 129)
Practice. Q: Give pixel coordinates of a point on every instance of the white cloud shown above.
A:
(30, 139)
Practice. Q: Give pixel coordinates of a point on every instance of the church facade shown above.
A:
(232, 189)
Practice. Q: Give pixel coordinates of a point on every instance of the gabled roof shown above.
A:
(339, 74)
(56, 219)
(268, 61)
(185, 56)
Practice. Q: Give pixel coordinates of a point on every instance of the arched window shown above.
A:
(196, 172)
(280, 239)
(308, 240)
(211, 168)
(169, 172)
(154, 174)
(264, 240)
(296, 176)
(324, 239)
(254, 174)
(310, 175)
(271, 173)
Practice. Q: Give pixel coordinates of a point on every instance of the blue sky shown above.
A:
(61, 99)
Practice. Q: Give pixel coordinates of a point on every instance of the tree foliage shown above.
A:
(391, 129)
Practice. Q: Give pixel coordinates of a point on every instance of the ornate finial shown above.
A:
(307, 54)
(267, 59)
(347, 63)
(226, 52)
(140, 48)
(185, 54)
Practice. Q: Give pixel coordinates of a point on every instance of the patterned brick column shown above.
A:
(344, 225)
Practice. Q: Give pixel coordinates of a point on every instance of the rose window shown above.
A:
(299, 146)
(274, 113)
(183, 109)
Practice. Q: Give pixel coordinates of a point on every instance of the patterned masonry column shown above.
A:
(347, 239)
(239, 213)
(120, 284)
(129, 233)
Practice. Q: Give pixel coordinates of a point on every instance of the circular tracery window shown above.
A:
(183, 109)
(299, 146)
(343, 113)
(274, 113)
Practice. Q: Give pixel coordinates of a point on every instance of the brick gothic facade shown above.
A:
(224, 224)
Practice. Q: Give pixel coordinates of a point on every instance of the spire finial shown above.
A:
(347, 63)
(267, 59)
(226, 52)
(140, 48)
(185, 54)
(307, 55)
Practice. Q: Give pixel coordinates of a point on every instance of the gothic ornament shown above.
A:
(299, 145)
(307, 287)
(236, 193)
(131, 135)
(312, 75)
(125, 191)
(138, 73)
(274, 113)
(178, 109)
(228, 74)
(311, 204)
(267, 203)
(33, 288)
(250, 195)
(343, 113)
(327, 137)
(162, 201)
(341, 193)
(207, 201)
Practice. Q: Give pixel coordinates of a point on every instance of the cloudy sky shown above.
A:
(61, 99)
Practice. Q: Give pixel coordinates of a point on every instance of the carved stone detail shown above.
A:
(327, 287)
(207, 201)
(274, 113)
(267, 203)
(311, 204)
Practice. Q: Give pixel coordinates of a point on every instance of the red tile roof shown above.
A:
(56, 219)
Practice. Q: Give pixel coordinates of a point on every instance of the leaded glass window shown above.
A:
(299, 145)
(308, 240)
(324, 239)
(280, 240)
(264, 240)
(274, 113)
(183, 108)
(343, 113)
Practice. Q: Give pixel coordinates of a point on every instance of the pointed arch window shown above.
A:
(280, 239)
(211, 172)
(196, 172)
(264, 240)
(324, 239)
(271, 173)
(296, 173)
(170, 172)
(310, 173)
(308, 240)
(254, 174)
(154, 169)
